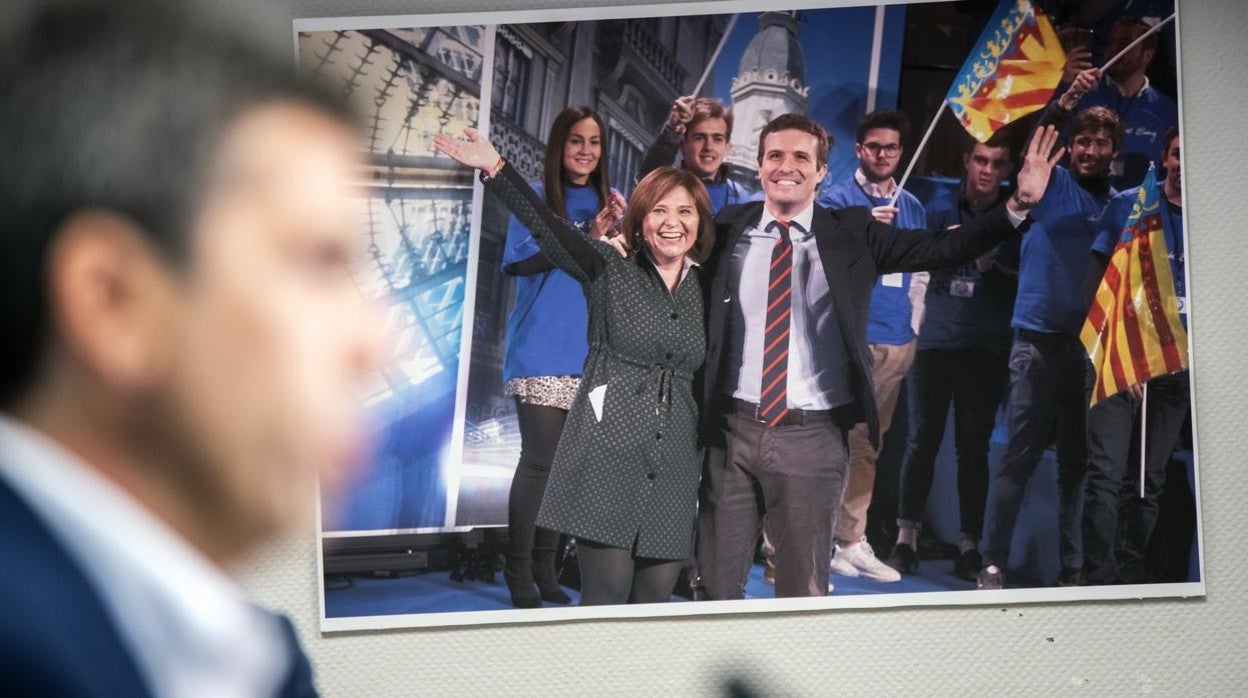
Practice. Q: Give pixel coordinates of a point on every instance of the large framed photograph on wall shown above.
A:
(1013, 424)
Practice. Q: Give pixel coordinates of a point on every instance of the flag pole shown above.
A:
(915, 158)
(715, 56)
(1143, 429)
(1156, 27)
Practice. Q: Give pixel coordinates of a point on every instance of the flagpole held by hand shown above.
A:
(1035, 69)
(917, 151)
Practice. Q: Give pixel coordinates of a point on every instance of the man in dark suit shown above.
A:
(181, 342)
(788, 371)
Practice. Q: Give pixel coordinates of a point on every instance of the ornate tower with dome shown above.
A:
(770, 81)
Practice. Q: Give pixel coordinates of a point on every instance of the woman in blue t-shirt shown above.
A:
(546, 343)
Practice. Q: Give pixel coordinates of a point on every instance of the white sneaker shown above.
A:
(840, 565)
(860, 560)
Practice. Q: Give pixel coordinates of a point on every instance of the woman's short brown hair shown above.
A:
(651, 189)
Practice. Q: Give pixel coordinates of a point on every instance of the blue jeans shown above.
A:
(1047, 376)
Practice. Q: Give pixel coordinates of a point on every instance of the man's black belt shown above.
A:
(794, 417)
(1051, 338)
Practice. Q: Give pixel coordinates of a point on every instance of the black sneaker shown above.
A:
(990, 580)
(968, 564)
(903, 559)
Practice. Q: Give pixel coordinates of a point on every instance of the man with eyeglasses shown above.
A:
(699, 129)
(893, 321)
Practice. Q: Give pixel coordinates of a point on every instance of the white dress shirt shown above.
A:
(811, 376)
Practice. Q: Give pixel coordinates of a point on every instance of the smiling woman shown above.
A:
(626, 472)
(668, 228)
(669, 219)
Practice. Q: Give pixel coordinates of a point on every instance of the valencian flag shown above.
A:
(1133, 332)
(1012, 71)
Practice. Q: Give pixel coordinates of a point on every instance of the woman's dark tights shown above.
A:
(615, 576)
(531, 549)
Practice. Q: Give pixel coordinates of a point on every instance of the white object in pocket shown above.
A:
(892, 280)
(596, 396)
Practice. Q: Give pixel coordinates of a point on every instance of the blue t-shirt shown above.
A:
(547, 328)
(1115, 220)
(888, 321)
(965, 308)
(1145, 119)
(1056, 273)
(726, 192)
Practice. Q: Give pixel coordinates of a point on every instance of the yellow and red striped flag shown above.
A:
(1133, 332)
(1012, 71)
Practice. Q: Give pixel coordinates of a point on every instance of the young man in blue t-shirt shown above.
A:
(961, 361)
(1048, 364)
(892, 325)
(1107, 524)
(699, 130)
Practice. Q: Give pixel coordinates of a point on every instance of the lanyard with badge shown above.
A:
(962, 285)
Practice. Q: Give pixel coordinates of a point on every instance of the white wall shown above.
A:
(1189, 647)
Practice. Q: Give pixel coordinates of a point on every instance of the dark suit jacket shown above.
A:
(854, 250)
(56, 638)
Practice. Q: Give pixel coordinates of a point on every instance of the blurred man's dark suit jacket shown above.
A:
(56, 638)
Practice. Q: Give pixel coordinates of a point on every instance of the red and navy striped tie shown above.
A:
(773, 398)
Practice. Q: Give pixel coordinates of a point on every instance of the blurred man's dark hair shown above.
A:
(115, 106)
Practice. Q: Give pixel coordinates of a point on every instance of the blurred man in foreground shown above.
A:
(182, 339)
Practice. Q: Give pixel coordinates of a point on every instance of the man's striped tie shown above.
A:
(773, 398)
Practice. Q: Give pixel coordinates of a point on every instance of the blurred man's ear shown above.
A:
(111, 301)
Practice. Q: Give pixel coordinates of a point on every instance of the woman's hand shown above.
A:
(475, 152)
(608, 219)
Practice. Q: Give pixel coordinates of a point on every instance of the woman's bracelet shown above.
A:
(491, 173)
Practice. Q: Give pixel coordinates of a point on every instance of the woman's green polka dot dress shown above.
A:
(630, 479)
